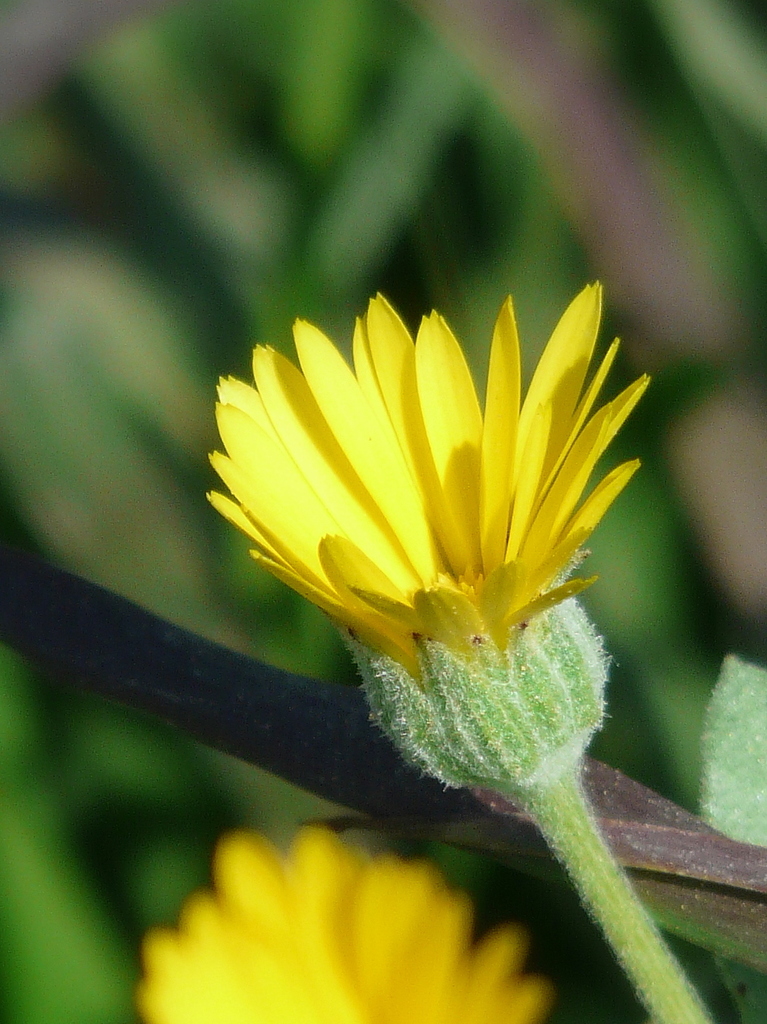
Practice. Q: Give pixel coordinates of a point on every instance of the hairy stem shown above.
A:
(564, 816)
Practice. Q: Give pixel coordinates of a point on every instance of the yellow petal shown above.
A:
(568, 486)
(263, 477)
(345, 562)
(316, 590)
(453, 424)
(242, 396)
(384, 360)
(529, 1000)
(323, 874)
(391, 905)
(399, 616)
(562, 368)
(592, 391)
(622, 406)
(304, 432)
(566, 490)
(233, 512)
(619, 410)
(373, 631)
(385, 368)
(433, 964)
(583, 410)
(200, 968)
(531, 460)
(378, 608)
(548, 600)
(447, 615)
(556, 561)
(498, 956)
(368, 381)
(499, 437)
(379, 466)
(498, 596)
(601, 498)
(386, 355)
(250, 879)
(369, 625)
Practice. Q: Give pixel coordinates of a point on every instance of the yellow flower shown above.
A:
(386, 497)
(332, 938)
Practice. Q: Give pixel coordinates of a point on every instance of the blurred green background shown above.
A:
(180, 181)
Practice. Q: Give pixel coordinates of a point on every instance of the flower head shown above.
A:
(384, 493)
(329, 937)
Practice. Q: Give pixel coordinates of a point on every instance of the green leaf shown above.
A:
(735, 753)
(748, 989)
(734, 797)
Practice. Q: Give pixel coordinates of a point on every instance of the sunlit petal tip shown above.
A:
(601, 498)
(307, 337)
(214, 459)
(382, 316)
(232, 511)
(595, 291)
(261, 354)
(243, 396)
(580, 320)
(228, 417)
(507, 318)
(263, 357)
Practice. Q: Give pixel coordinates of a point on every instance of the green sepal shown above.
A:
(482, 716)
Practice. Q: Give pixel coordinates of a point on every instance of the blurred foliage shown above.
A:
(199, 179)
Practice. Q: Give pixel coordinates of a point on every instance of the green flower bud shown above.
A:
(481, 716)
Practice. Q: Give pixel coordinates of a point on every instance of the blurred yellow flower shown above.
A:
(331, 937)
(385, 495)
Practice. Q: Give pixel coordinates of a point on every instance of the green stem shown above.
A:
(563, 814)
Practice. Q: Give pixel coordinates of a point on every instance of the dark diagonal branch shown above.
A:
(320, 737)
(316, 735)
